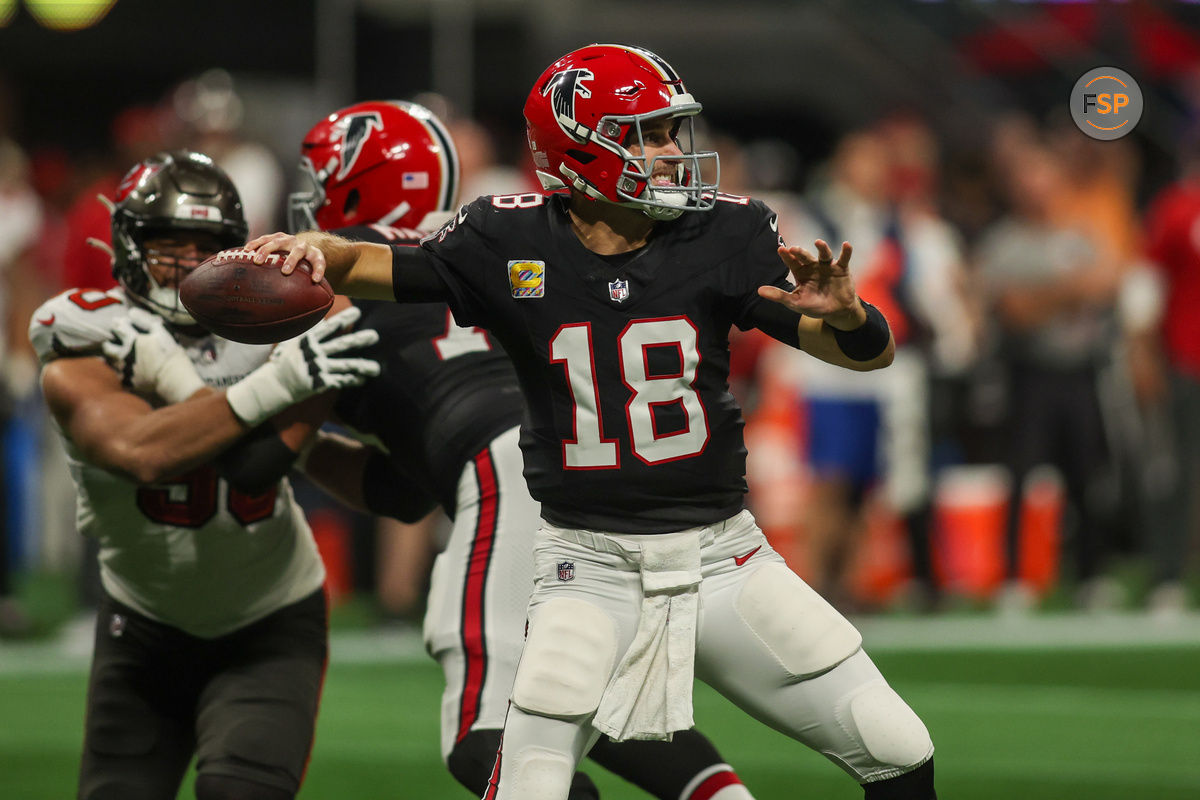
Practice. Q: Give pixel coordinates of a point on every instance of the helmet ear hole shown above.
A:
(582, 156)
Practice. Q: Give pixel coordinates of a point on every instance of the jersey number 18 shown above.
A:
(571, 346)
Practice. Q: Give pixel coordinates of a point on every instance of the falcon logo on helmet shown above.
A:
(358, 128)
(586, 116)
(562, 89)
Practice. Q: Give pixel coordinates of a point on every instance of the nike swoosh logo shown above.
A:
(47, 321)
(775, 223)
(739, 560)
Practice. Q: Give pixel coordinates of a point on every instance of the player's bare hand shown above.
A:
(824, 288)
(297, 249)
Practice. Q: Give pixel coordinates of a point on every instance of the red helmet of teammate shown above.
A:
(590, 106)
(385, 162)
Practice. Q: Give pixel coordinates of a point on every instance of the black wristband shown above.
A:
(867, 340)
(256, 462)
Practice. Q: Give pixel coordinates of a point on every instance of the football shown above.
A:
(234, 297)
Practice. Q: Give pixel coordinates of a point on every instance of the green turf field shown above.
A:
(1094, 718)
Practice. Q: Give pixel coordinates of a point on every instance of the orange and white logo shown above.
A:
(1106, 103)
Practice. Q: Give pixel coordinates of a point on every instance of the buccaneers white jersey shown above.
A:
(191, 552)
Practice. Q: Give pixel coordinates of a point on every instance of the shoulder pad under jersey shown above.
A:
(75, 323)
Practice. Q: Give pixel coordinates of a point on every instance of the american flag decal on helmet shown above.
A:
(566, 571)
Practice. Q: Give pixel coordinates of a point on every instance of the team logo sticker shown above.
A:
(204, 213)
(566, 571)
(527, 278)
(562, 88)
(356, 129)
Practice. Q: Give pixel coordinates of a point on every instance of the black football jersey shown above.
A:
(444, 392)
(623, 362)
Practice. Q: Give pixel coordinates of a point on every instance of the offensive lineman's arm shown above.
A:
(363, 478)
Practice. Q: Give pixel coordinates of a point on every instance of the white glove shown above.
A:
(149, 360)
(302, 367)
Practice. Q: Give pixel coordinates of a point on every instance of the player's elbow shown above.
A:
(149, 473)
(145, 465)
(886, 358)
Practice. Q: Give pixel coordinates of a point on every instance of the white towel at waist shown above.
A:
(650, 693)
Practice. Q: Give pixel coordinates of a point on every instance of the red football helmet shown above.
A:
(384, 162)
(589, 106)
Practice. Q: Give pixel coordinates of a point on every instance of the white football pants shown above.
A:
(764, 639)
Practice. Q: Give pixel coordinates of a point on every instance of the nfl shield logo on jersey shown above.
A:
(618, 290)
(566, 570)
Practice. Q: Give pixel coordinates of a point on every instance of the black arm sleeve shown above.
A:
(776, 321)
(389, 492)
(414, 279)
(256, 462)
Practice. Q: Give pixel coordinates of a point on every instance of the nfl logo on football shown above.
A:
(566, 570)
(618, 290)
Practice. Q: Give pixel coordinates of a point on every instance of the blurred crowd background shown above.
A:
(1035, 445)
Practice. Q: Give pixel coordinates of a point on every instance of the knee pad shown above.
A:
(472, 758)
(228, 787)
(890, 731)
(804, 632)
(567, 660)
(535, 773)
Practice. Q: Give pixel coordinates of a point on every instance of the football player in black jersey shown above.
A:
(447, 407)
(614, 298)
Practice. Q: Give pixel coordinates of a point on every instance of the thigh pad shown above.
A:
(567, 661)
(805, 633)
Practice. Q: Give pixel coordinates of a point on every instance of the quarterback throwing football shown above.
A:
(614, 295)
